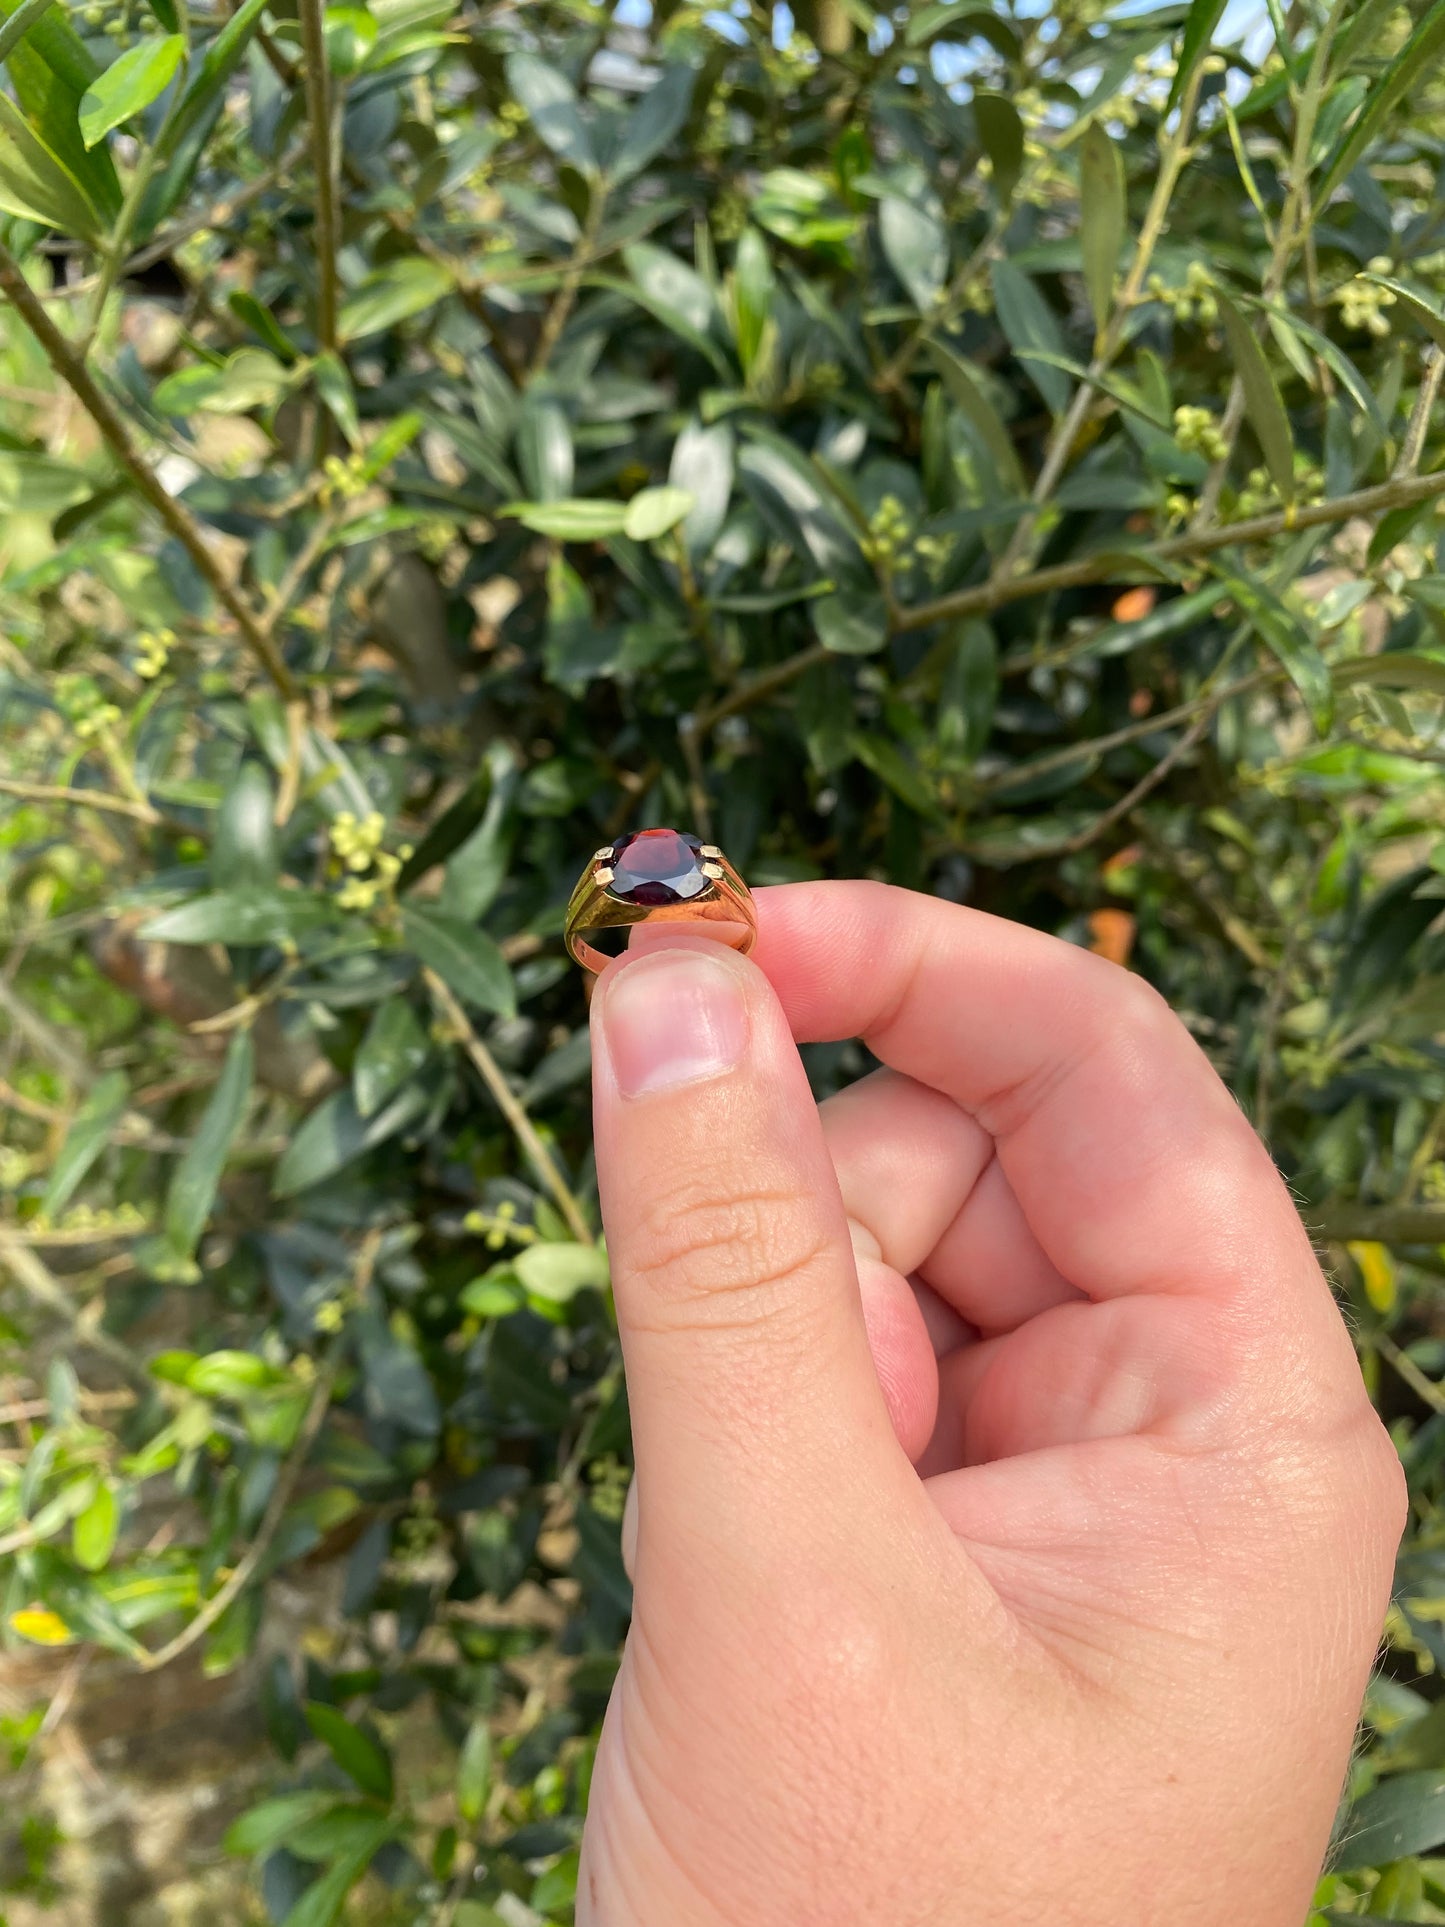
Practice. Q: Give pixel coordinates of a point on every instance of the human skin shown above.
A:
(1012, 1532)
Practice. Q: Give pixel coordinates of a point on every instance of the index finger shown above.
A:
(1135, 1168)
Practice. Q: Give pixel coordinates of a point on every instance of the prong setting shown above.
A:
(658, 871)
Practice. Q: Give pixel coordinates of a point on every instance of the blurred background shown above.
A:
(990, 448)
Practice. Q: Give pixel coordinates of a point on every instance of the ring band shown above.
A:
(659, 876)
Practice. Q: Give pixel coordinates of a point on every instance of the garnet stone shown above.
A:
(654, 867)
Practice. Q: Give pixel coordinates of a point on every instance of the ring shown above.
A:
(659, 876)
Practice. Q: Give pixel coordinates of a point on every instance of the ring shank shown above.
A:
(723, 912)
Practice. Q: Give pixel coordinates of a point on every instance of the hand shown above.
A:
(1013, 1532)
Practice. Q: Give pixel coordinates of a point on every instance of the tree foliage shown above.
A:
(996, 450)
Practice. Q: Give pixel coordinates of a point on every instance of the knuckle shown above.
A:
(1142, 1015)
(1386, 1488)
(693, 1245)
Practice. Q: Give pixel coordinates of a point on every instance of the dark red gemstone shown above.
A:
(655, 867)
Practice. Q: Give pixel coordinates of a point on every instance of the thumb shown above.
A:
(751, 1385)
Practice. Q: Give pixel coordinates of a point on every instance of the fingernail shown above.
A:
(673, 1018)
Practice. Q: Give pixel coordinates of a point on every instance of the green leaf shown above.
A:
(129, 85)
(968, 394)
(219, 62)
(266, 1826)
(1177, 616)
(1001, 135)
(915, 245)
(321, 1904)
(52, 43)
(335, 1134)
(240, 916)
(1345, 371)
(1200, 23)
(50, 69)
(393, 1050)
(1287, 639)
(474, 1772)
(1102, 217)
(244, 853)
(786, 489)
(545, 454)
(250, 378)
(465, 958)
(671, 286)
(405, 287)
(350, 36)
(653, 511)
(1261, 397)
(1402, 1815)
(557, 1272)
(652, 124)
(754, 289)
(20, 22)
(892, 768)
(1028, 321)
(333, 385)
(451, 829)
(335, 1833)
(85, 1140)
(197, 1177)
(93, 1534)
(954, 21)
(1393, 669)
(1113, 386)
(550, 103)
(36, 184)
(702, 463)
(399, 1390)
(969, 692)
(851, 625)
(231, 1374)
(577, 520)
(256, 316)
(556, 1889)
(1416, 59)
(1416, 305)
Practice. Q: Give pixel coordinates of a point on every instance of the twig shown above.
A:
(1174, 153)
(523, 1128)
(745, 694)
(697, 797)
(1146, 784)
(565, 298)
(43, 1036)
(30, 1107)
(1423, 1387)
(214, 216)
(318, 113)
(182, 524)
(983, 597)
(1294, 223)
(140, 812)
(1386, 1224)
(35, 1279)
(1129, 733)
(1413, 446)
(285, 592)
(271, 1519)
(891, 374)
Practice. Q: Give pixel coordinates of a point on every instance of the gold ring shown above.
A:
(659, 876)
